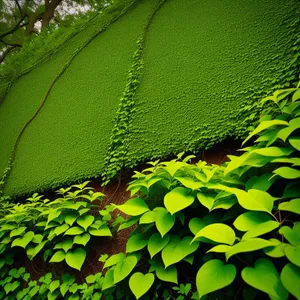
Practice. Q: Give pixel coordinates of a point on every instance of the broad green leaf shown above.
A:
(108, 281)
(196, 225)
(74, 231)
(37, 238)
(250, 219)
(61, 229)
(114, 259)
(66, 244)
(262, 183)
(164, 220)
(292, 206)
(133, 207)
(287, 173)
(295, 142)
(290, 278)
(293, 254)
(285, 132)
(129, 223)
(265, 278)
(217, 232)
(290, 235)
(213, 276)
(102, 231)
(124, 267)
(260, 229)
(169, 274)
(140, 283)
(178, 249)
(136, 242)
(70, 218)
(148, 217)
(58, 256)
(24, 240)
(54, 285)
(225, 203)
(178, 199)
(38, 248)
(277, 250)
(85, 221)
(190, 183)
(173, 166)
(220, 249)
(76, 258)
(255, 200)
(248, 246)
(295, 97)
(206, 200)
(157, 243)
(17, 231)
(264, 125)
(82, 239)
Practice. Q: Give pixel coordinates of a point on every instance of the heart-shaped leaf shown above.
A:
(124, 268)
(261, 229)
(140, 283)
(17, 231)
(292, 206)
(217, 232)
(102, 231)
(213, 276)
(277, 250)
(157, 243)
(164, 220)
(262, 273)
(290, 235)
(290, 278)
(76, 258)
(136, 242)
(178, 249)
(133, 207)
(114, 259)
(255, 200)
(85, 221)
(24, 240)
(66, 244)
(250, 219)
(60, 229)
(82, 239)
(248, 246)
(74, 231)
(206, 200)
(58, 256)
(293, 254)
(178, 199)
(169, 274)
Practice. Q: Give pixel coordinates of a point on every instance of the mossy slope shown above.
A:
(68, 139)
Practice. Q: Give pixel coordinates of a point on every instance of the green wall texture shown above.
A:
(206, 63)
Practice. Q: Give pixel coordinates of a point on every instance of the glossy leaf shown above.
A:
(85, 221)
(178, 199)
(169, 274)
(82, 239)
(250, 219)
(157, 243)
(58, 256)
(217, 232)
(290, 278)
(114, 259)
(140, 283)
(293, 254)
(265, 272)
(123, 268)
(74, 230)
(292, 206)
(206, 200)
(261, 229)
(133, 207)
(164, 220)
(136, 242)
(76, 258)
(287, 173)
(24, 240)
(213, 276)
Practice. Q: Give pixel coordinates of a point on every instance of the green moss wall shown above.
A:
(206, 63)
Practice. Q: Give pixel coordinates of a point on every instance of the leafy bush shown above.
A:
(235, 226)
(60, 229)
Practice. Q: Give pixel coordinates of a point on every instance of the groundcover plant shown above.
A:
(199, 231)
(122, 87)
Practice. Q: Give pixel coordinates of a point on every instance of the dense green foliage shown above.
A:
(197, 87)
(228, 229)
(75, 122)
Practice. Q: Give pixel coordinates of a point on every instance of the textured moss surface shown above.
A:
(68, 139)
(204, 62)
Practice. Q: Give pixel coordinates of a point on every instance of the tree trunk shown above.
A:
(49, 12)
(6, 51)
(30, 26)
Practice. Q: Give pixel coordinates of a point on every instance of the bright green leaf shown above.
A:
(24, 240)
(76, 258)
(74, 231)
(249, 220)
(133, 207)
(124, 267)
(136, 242)
(260, 229)
(140, 283)
(58, 256)
(292, 206)
(293, 254)
(290, 278)
(287, 173)
(82, 239)
(114, 259)
(85, 221)
(213, 276)
(157, 243)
